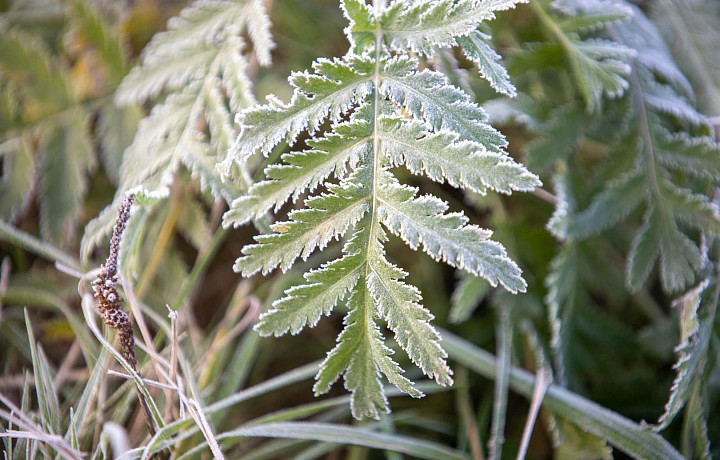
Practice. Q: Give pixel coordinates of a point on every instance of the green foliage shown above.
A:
(47, 134)
(199, 68)
(396, 116)
(403, 140)
(597, 65)
(47, 114)
(695, 333)
(671, 161)
(656, 170)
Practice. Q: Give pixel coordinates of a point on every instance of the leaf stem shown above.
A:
(645, 132)
(557, 32)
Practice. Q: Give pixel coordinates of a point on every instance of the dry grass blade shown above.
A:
(52, 440)
(32, 431)
(148, 382)
(174, 344)
(198, 413)
(542, 381)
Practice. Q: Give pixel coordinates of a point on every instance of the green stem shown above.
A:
(556, 32)
(649, 149)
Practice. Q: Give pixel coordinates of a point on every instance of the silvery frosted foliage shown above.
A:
(660, 168)
(662, 100)
(384, 113)
(599, 65)
(200, 65)
(655, 123)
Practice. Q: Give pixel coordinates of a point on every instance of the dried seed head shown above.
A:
(105, 288)
(120, 223)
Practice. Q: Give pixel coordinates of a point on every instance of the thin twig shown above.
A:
(174, 344)
(152, 383)
(61, 267)
(544, 195)
(160, 359)
(140, 320)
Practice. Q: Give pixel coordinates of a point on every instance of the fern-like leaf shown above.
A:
(327, 216)
(37, 143)
(439, 156)
(421, 221)
(477, 49)
(598, 66)
(469, 293)
(661, 157)
(335, 87)
(421, 25)
(429, 97)
(692, 31)
(199, 65)
(384, 114)
(305, 170)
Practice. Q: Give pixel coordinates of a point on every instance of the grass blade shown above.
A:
(500, 398)
(296, 375)
(92, 386)
(46, 397)
(348, 435)
(28, 242)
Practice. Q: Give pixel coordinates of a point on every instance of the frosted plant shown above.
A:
(662, 155)
(658, 164)
(198, 65)
(384, 113)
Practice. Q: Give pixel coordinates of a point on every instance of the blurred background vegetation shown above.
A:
(62, 139)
